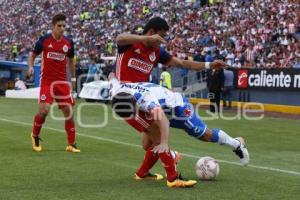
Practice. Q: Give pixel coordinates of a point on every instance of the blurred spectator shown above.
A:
(200, 57)
(19, 84)
(184, 74)
(107, 68)
(297, 63)
(228, 87)
(237, 63)
(215, 85)
(260, 31)
(230, 59)
(94, 71)
(165, 79)
(153, 79)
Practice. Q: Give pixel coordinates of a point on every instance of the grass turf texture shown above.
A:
(105, 167)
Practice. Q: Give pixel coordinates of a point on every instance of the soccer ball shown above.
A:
(207, 168)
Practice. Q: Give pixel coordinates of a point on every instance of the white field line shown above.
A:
(139, 146)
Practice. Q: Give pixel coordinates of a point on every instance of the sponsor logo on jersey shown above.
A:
(140, 65)
(242, 78)
(56, 56)
(139, 88)
(50, 46)
(65, 48)
(152, 57)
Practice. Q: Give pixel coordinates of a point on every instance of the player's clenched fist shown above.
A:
(154, 40)
(218, 64)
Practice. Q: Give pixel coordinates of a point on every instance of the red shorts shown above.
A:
(58, 90)
(141, 121)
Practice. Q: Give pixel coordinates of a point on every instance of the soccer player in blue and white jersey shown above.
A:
(169, 109)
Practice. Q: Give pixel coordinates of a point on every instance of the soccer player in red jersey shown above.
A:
(137, 56)
(56, 50)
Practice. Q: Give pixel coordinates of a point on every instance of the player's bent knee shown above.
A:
(67, 111)
(44, 109)
(207, 136)
(43, 112)
(146, 143)
(215, 135)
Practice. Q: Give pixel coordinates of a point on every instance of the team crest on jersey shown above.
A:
(65, 48)
(152, 57)
(43, 97)
(187, 111)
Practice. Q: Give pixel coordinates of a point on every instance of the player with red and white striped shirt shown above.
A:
(56, 50)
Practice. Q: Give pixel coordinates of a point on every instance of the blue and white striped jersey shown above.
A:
(149, 95)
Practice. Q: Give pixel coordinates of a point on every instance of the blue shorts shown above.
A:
(184, 117)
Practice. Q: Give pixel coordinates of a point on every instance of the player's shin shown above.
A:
(70, 129)
(149, 161)
(37, 124)
(168, 163)
(223, 138)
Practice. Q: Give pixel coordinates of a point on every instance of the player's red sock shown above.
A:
(70, 129)
(168, 163)
(38, 121)
(149, 160)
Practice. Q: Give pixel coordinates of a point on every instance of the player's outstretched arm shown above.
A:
(129, 39)
(217, 64)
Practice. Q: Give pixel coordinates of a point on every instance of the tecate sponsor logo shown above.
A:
(56, 56)
(140, 65)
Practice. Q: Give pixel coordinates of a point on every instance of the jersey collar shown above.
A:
(56, 39)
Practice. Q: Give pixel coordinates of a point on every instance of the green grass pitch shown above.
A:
(110, 155)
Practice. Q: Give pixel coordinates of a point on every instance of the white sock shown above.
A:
(225, 139)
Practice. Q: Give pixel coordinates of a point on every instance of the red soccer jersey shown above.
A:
(136, 62)
(54, 53)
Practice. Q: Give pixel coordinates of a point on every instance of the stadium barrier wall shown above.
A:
(268, 86)
(267, 107)
(11, 70)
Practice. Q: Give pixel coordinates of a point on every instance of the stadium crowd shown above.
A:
(248, 33)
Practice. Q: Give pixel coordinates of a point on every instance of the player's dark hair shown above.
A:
(58, 17)
(124, 104)
(157, 24)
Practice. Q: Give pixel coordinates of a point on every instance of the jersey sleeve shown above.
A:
(164, 56)
(38, 47)
(71, 52)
